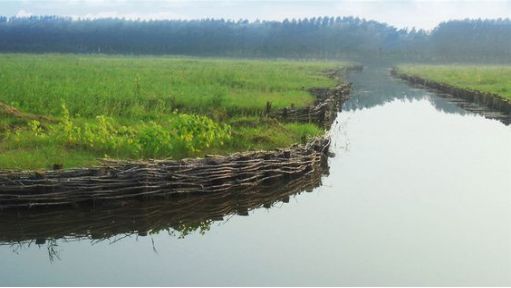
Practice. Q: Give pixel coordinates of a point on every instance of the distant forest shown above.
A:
(321, 37)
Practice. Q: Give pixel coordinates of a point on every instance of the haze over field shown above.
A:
(401, 14)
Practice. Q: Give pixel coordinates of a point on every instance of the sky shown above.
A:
(399, 13)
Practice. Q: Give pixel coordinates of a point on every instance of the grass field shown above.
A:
(142, 86)
(493, 79)
(72, 110)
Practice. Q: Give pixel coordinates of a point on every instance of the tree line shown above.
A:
(318, 37)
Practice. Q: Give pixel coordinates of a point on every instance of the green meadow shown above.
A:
(493, 79)
(71, 110)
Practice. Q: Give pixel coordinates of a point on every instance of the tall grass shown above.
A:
(148, 107)
(141, 86)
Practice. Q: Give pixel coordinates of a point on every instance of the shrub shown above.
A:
(182, 135)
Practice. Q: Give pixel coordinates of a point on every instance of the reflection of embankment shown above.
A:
(181, 214)
(486, 104)
(373, 87)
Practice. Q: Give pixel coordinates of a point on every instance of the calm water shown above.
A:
(418, 193)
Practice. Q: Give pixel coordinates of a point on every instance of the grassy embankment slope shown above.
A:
(73, 110)
(492, 79)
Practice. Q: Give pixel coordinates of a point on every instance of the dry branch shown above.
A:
(13, 112)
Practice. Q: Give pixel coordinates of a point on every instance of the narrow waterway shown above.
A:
(418, 193)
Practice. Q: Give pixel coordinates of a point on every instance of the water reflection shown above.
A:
(375, 87)
(178, 216)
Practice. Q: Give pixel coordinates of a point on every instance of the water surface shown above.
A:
(418, 193)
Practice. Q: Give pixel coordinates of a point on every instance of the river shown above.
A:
(417, 193)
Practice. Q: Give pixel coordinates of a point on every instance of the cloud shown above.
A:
(23, 13)
(424, 14)
(399, 13)
(130, 15)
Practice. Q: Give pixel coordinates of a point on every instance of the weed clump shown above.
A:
(181, 135)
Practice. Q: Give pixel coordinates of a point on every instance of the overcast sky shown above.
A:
(401, 13)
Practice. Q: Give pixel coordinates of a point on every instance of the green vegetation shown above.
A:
(70, 110)
(145, 86)
(493, 79)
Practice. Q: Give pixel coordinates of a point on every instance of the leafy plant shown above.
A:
(183, 134)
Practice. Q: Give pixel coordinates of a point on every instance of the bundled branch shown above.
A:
(181, 213)
(117, 180)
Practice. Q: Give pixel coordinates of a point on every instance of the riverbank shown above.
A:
(119, 179)
(68, 111)
(461, 82)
